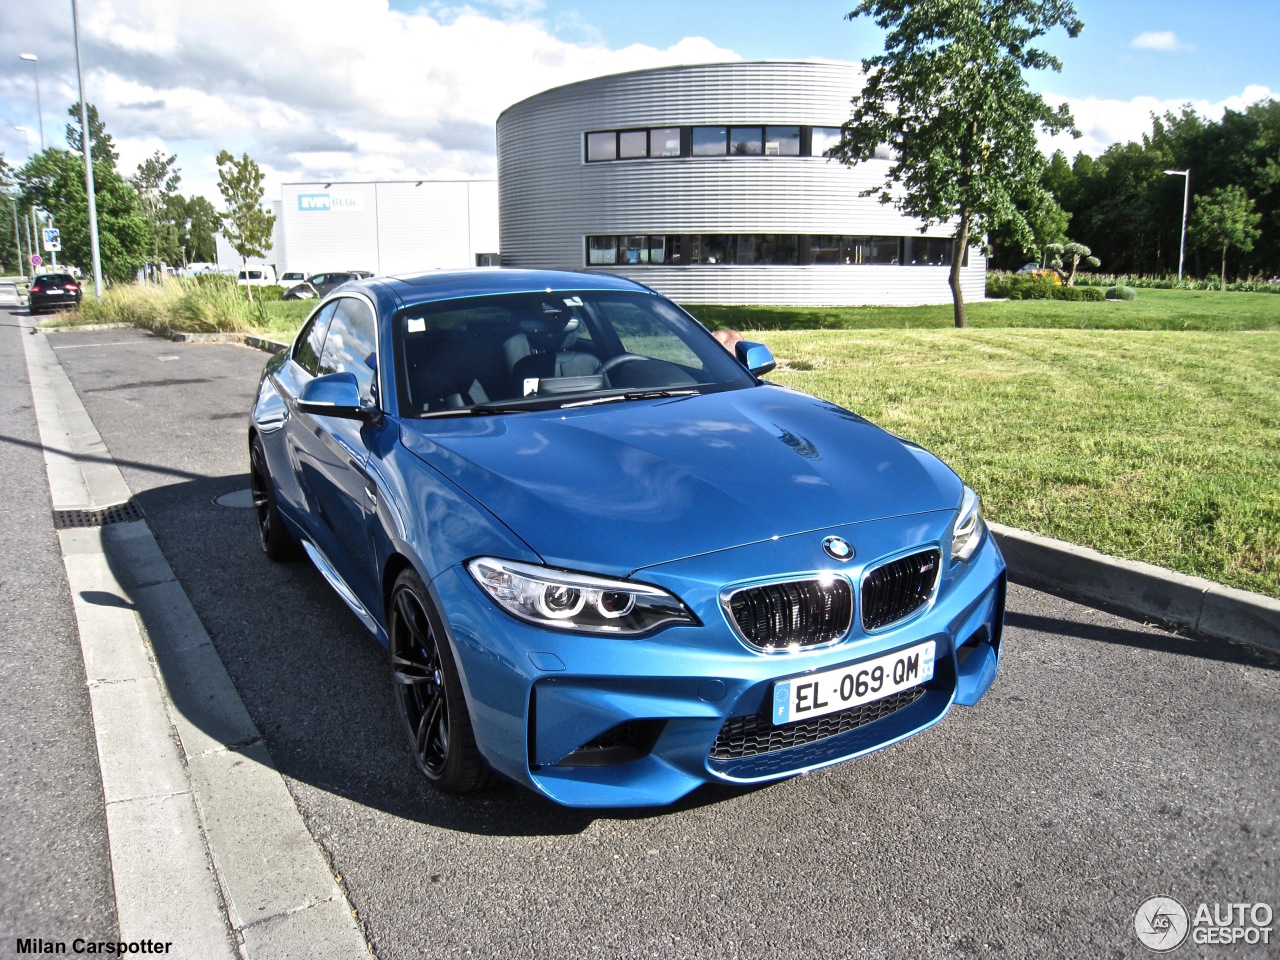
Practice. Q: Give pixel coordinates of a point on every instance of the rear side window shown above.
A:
(307, 353)
(351, 345)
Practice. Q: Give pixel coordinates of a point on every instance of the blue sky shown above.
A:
(389, 89)
(1220, 48)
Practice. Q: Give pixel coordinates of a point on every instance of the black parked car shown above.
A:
(319, 284)
(53, 290)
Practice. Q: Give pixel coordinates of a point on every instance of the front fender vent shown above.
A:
(801, 613)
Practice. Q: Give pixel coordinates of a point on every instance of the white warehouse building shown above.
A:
(709, 184)
(385, 227)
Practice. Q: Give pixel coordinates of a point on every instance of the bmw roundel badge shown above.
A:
(838, 548)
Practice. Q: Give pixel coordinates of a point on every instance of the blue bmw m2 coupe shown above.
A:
(609, 562)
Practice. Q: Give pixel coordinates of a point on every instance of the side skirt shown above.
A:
(339, 585)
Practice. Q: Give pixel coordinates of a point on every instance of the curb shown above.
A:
(83, 327)
(178, 336)
(1172, 598)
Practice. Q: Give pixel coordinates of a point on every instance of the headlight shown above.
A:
(967, 533)
(576, 601)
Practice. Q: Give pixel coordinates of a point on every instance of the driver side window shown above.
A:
(351, 345)
(307, 352)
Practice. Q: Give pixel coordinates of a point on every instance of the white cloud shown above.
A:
(1165, 40)
(333, 89)
(1104, 122)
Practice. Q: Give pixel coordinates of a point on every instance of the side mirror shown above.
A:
(755, 357)
(336, 395)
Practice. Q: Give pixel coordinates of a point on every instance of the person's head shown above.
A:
(728, 338)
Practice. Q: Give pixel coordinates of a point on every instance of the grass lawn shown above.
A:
(1150, 310)
(1147, 429)
(1155, 446)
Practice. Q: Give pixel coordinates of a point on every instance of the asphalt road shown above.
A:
(1110, 762)
(55, 869)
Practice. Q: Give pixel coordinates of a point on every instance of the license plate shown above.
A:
(852, 686)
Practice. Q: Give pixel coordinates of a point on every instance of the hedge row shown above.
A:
(1173, 283)
(1022, 287)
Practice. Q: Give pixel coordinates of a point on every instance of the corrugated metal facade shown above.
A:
(550, 199)
(388, 227)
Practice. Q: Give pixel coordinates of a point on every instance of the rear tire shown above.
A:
(277, 542)
(429, 692)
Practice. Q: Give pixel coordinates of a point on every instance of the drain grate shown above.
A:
(84, 517)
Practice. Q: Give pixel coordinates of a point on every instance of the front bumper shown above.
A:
(650, 711)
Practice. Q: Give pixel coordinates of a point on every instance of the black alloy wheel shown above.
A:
(277, 542)
(429, 692)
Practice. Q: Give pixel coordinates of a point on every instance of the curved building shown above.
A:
(709, 184)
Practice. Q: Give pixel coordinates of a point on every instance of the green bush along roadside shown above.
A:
(1012, 286)
(212, 303)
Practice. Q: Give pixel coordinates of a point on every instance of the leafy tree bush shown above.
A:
(1120, 293)
(246, 225)
(1024, 287)
(950, 97)
(1226, 218)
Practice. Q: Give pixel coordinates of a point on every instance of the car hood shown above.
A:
(620, 486)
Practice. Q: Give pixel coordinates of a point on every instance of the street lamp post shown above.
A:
(17, 236)
(88, 159)
(1186, 198)
(35, 63)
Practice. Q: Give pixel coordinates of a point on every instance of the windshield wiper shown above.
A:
(635, 395)
(478, 409)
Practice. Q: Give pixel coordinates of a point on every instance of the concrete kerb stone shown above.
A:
(179, 336)
(1175, 599)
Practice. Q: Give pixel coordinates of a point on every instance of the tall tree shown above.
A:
(948, 96)
(245, 224)
(1225, 218)
(202, 222)
(10, 256)
(156, 181)
(102, 149)
(54, 181)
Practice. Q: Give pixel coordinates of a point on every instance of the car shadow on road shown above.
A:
(1156, 640)
(315, 682)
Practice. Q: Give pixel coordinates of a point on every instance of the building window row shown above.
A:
(712, 141)
(768, 248)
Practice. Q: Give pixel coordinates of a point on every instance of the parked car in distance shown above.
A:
(264, 276)
(52, 291)
(291, 278)
(608, 560)
(320, 284)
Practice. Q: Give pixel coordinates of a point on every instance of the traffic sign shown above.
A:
(52, 240)
(36, 260)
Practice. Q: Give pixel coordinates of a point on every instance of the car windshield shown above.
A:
(510, 352)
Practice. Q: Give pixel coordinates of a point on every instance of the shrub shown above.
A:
(1087, 294)
(1173, 283)
(1120, 293)
(211, 303)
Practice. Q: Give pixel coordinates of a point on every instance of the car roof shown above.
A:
(482, 281)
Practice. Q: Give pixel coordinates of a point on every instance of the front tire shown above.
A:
(277, 542)
(429, 692)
